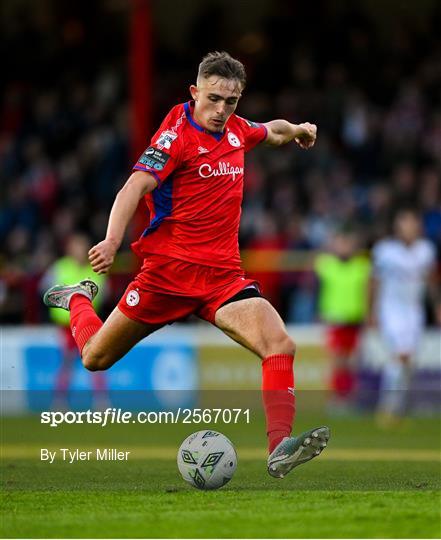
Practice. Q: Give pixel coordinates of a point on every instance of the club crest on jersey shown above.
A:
(132, 298)
(222, 169)
(166, 139)
(233, 139)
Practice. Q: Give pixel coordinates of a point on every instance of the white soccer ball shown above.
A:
(207, 460)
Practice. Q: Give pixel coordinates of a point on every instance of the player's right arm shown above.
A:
(152, 169)
(126, 202)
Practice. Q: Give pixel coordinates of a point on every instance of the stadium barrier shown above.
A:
(184, 359)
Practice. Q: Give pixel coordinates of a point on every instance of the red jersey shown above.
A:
(195, 209)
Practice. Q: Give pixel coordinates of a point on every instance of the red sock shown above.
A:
(84, 322)
(342, 382)
(278, 397)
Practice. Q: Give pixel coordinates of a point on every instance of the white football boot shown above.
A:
(59, 296)
(293, 451)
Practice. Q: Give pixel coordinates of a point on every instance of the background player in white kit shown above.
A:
(403, 270)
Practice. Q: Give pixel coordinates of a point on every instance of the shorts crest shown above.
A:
(132, 298)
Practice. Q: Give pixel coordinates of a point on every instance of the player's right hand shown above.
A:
(102, 255)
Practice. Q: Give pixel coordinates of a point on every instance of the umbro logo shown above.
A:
(202, 150)
(291, 390)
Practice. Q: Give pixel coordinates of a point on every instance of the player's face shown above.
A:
(344, 245)
(216, 100)
(407, 227)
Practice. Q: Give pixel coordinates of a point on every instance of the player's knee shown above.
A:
(288, 346)
(94, 361)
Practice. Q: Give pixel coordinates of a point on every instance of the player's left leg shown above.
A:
(255, 324)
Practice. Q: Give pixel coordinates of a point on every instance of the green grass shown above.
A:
(327, 498)
(223, 514)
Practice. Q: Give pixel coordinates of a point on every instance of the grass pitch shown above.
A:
(367, 483)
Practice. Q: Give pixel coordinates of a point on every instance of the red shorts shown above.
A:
(168, 289)
(343, 339)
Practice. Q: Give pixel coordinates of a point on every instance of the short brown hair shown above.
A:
(223, 65)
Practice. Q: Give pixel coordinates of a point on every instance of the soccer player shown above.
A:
(343, 275)
(403, 268)
(191, 176)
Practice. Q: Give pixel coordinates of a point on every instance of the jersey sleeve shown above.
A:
(164, 154)
(253, 133)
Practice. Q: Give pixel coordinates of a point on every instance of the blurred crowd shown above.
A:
(64, 140)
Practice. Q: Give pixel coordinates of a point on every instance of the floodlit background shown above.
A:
(85, 85)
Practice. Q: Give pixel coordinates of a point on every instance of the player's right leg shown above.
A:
(100, 344)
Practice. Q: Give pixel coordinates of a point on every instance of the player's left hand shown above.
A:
(307, 135)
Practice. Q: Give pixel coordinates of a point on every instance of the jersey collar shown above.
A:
(187, 108)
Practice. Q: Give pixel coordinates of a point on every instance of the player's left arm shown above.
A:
(280, 132)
